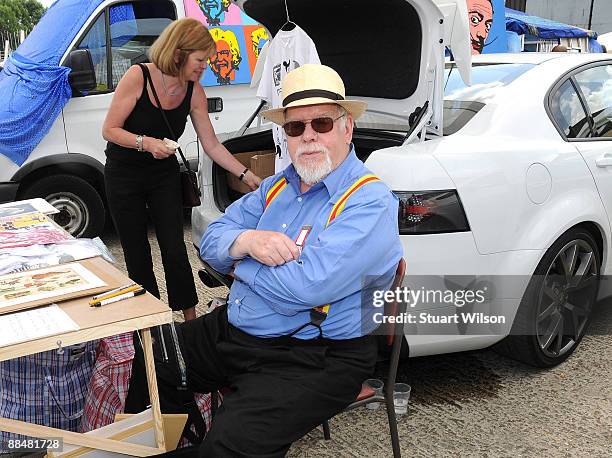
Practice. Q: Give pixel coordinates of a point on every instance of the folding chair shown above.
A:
(393, 338)
(212, 278)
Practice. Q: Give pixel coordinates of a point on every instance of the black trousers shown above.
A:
(281, 388)
(130, 190)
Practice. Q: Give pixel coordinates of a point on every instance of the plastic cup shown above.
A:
(377, 385)
(401, 396)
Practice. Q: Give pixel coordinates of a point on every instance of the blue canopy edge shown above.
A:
(523, 24)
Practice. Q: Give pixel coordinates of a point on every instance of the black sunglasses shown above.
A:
(320, 125)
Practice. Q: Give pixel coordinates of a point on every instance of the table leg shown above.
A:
(147, 346)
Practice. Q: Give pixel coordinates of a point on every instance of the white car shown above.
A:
(517, 191)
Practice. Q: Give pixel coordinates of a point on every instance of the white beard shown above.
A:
(312, 172)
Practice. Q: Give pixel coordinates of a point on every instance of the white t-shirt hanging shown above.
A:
(288, 50)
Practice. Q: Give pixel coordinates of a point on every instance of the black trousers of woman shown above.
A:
(131, 189)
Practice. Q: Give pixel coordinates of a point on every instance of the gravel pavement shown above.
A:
(475, 403)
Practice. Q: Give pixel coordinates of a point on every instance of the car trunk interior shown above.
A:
(374, 46)
(375, 58)
(226, 190)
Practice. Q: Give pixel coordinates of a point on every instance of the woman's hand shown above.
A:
(251, 180)
(157, 148)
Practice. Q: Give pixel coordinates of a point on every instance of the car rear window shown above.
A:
(486, 78)
(462, 102)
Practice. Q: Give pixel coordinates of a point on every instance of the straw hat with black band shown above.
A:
(313, 84)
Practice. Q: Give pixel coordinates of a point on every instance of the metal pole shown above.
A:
(591, 14)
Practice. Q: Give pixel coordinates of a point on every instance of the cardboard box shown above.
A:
(261, 163)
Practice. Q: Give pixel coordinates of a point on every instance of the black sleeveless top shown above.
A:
(146, 119)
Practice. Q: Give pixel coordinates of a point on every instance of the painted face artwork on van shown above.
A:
(226, 60)
(259, 37)
(214, 10)
(480, 15)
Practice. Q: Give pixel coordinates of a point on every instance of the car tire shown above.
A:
(81, 209)
(555, 310)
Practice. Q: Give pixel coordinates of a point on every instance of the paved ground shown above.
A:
(477, 403)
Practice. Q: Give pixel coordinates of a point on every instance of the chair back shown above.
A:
(395, 331)
(393, 308)
(213, 278)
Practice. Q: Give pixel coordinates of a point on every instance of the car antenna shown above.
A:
(289, 22)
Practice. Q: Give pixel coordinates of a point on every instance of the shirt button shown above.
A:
(237, 301)
(299, 199)
(284, 225)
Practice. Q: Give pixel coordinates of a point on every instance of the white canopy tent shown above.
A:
(606, 40)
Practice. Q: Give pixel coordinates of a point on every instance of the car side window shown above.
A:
(596, 85)
(134, 26)
(568, 112)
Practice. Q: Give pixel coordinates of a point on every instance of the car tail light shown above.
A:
(430, 212)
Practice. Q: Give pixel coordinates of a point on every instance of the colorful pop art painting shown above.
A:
(238, 37)
(230, 63)
(256, 36)
(487, 26)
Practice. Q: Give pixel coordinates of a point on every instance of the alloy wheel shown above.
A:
(565, 298)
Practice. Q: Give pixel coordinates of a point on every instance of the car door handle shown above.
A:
(604, 161)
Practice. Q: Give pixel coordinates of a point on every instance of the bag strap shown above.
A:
(148, 78)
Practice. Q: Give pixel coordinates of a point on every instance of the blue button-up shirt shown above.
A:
(361, 243)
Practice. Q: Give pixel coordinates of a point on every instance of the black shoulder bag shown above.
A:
(189, 180)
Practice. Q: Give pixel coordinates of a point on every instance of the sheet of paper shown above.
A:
(34, 324)
(27, 206)
(48, 283)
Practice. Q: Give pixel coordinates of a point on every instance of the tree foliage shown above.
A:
(16, 15)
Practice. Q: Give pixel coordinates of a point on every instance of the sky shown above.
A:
(46, 3)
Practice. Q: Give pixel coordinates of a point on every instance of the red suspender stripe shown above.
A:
(339, 206)
(336, 210)
(275, 190)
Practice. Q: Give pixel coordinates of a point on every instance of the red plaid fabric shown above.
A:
(110, 382)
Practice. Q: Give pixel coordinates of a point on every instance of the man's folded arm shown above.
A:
(242, 215)
(361, 241)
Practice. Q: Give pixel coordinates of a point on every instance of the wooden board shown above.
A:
(138, 429)
(139, 312)
(98, 266)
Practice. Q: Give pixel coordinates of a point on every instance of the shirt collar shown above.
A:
(335, 180)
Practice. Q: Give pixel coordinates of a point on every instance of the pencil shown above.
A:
(106, 293)
(118, 298)
(102, 297)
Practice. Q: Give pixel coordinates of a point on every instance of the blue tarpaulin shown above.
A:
(33, 87)
(525, 24)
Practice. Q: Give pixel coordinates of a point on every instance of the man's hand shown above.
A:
(268, 247)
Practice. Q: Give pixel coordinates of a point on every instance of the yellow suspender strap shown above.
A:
(339, 206)
(323, 310)
(318, 314)
(275, 190)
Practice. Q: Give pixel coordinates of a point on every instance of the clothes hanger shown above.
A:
(289, 24)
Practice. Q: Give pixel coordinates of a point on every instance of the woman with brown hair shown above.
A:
(142, 170)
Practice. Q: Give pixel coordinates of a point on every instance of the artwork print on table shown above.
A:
(29, 229)
(48, 283)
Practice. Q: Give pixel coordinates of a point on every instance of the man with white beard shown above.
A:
(294, 342)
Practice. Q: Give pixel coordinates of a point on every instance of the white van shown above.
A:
(67, 166)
